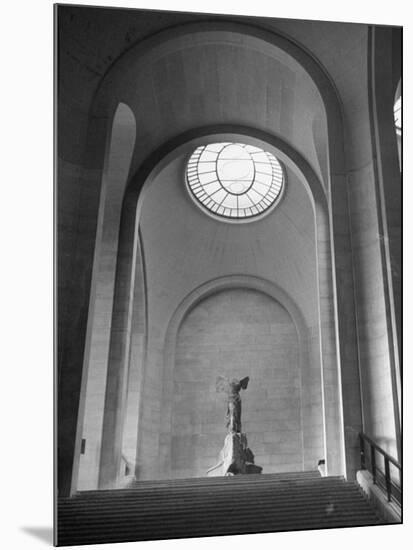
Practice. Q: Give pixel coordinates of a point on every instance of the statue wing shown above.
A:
(244, 382)
(222, 384)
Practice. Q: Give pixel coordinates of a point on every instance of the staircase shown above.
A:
(215, 506)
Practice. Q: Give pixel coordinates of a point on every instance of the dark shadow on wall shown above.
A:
(45, 534)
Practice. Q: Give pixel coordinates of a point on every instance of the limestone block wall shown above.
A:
(370, 235)
(375, 371)
(149, 424)
(118, 156)
(240, 332)
(136, 368)
(76, 229)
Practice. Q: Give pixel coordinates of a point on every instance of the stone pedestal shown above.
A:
(235, 457)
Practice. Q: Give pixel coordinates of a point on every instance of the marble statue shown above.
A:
(235, 457)
(232, 389)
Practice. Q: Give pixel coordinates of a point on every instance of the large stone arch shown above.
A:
(130, 220)
(190, 302)
(121, 81)
(333, 239)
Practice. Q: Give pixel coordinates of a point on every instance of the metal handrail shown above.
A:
(388, 459)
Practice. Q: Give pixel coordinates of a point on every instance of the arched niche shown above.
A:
(326, 340)
(248, 74)
(286, 436)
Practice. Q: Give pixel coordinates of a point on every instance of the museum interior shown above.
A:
(228, 205)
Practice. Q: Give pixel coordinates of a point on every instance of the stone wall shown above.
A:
(237, 333)
(118, 156)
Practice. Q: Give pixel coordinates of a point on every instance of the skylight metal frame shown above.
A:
(256, 208)
(397, 111)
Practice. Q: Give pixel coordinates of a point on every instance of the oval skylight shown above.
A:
(398, 115)
(234, 180)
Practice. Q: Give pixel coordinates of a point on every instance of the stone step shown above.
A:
(212, 506)
(199, 516)
(193, 500)
(240, 479)
(186, 527)
(316, 497)
(136, 495)
(221, 483)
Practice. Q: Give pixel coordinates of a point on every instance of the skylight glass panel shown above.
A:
(234, 180)
(398, 114)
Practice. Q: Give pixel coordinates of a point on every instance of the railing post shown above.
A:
(393, 488)
(388, 480)
(373, 462)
